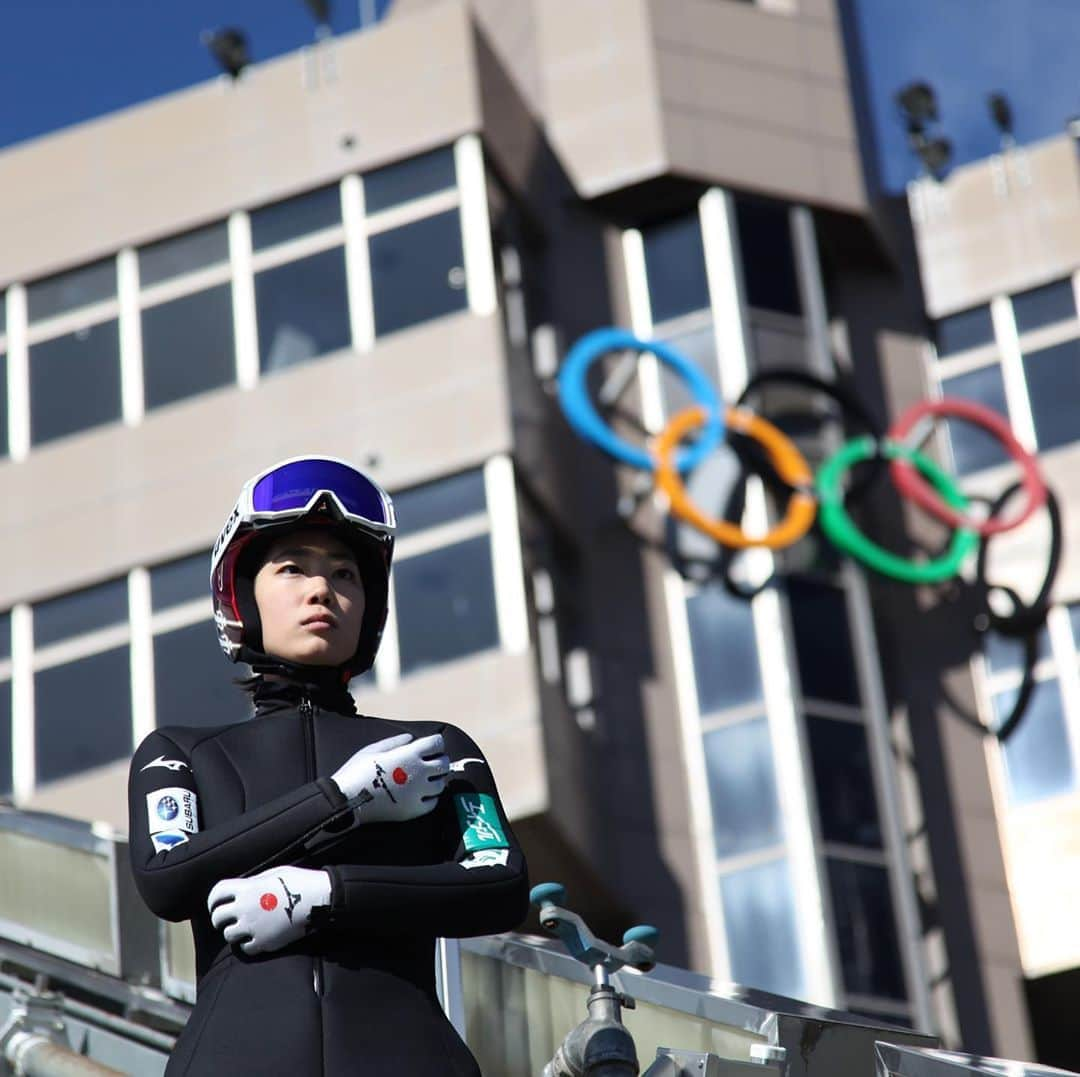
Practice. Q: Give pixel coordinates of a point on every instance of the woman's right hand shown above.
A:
(395, 779)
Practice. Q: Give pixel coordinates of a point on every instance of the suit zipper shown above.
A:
(307, 712)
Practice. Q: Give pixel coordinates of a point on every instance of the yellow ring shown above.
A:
(790, 465)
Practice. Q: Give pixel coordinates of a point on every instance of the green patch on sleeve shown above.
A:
(479, 819)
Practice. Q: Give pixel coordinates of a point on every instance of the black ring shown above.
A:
(1005, 729)
(851, 408)
(1026, 618)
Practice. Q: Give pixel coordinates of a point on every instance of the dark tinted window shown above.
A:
(699, 346)
(742, 788)
(183, 254)
(67, 291)
(180, 581)
(75, 382)
(725, 650)
(760, 923)
(1053, 376)
(69, 734)
(823, 646)
(768, 256)
(675, 268)
(193, 680)
(440, 502)
(445, 604)
(972, 447)
(400, 182)
(1037, 760)
(966, 329)
(188, 346)
(1074, 618)
(296, 217)
(303, 310)
(417, 272)
(5, 635)
(81, 611)
(866, 929)
(844, 782)
(6, 769)
(1043, 306)
(4, 448)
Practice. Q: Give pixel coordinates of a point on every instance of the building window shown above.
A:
(973, 448)
(404, 181)
(1052, 303)
(188, 346)
(1039, 758)
(293, 218)
(5, 448)
(444, 582)
(73, 290)
(303, 310)
(186, 315)
(762, 928)
(82, 681)
(193, 679)
(964, 331)
(75, 381)
(417, 272)
(675, 268)
(7, 772)
(768, 256)
(178, 256)
(1052, 375)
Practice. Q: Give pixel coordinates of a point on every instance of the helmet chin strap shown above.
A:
(298, 672)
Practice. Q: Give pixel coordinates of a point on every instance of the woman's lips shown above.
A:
(318, 626)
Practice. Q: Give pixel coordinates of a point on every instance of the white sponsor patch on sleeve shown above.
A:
(172, 809)
(168, 839)
(459, 765)
(487, 858)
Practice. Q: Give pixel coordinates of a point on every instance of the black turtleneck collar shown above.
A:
(325, 692)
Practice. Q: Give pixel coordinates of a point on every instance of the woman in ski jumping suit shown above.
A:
(316, 851)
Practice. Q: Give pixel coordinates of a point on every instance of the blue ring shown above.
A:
(584, 418)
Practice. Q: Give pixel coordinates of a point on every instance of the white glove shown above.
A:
(395, 779)
(269, 910)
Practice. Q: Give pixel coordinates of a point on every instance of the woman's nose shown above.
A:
(319, 590)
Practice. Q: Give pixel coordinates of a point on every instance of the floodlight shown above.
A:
(918, 104)
(935, 154)
(1001, 113)
(229, 48)
(320, 10)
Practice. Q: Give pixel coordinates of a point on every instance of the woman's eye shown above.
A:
(346, 574)
(290, 569)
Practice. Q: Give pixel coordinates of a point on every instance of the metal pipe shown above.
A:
(34, 1055)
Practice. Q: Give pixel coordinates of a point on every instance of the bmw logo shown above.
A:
(168, 808)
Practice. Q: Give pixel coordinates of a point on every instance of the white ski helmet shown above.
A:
(300, 492)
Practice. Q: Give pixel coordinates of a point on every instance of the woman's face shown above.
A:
(310, 599)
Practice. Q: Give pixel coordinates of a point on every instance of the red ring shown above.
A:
(911, 484)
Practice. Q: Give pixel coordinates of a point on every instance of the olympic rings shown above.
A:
(790, 465)
(583, 417)
(909, 483)
(1025, 618)
(836, 523)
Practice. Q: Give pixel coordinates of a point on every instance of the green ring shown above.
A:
(838, 526)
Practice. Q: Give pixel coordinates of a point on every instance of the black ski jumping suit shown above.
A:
(357, 994)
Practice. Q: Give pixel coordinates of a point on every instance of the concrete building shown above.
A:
(379, 248)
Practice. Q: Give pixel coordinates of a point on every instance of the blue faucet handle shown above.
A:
(548, 893)
(644, 933)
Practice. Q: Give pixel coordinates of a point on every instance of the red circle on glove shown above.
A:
(268, 902)
(400, 776)
(911, 484)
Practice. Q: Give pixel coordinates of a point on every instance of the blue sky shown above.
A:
(967, 49)
(69, 60)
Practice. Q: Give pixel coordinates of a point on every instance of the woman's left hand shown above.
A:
(269, 910)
